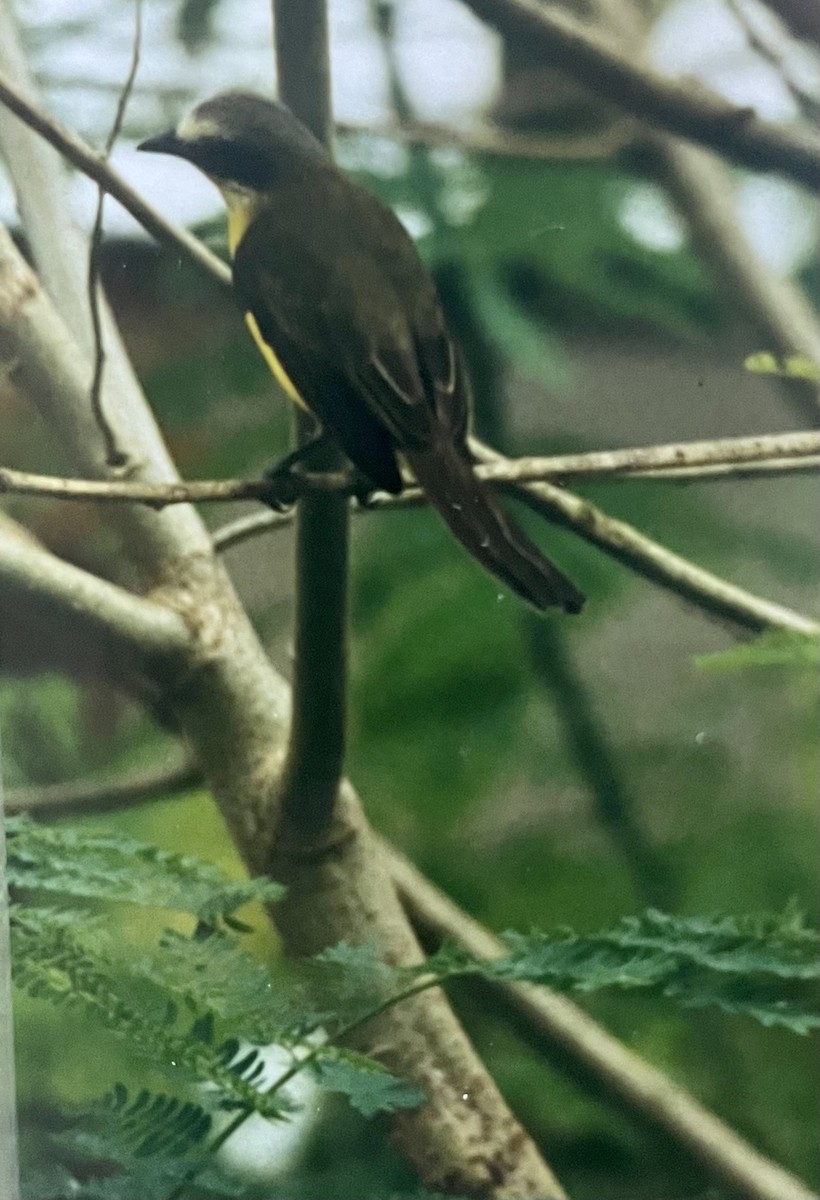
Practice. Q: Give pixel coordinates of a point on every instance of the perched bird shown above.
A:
(348, 319)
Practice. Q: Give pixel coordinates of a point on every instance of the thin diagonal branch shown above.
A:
(86, 797)
(738, 134)
(147, 632)
(655, 562)
(80, 154)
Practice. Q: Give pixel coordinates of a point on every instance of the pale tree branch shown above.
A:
(151, 635)
(690, 111)
(716, 458)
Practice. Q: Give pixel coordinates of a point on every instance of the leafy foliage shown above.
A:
(200, 1007)
(764, 967)
(368, 1085)
(759, 967)
(776, 648)
(77, 866)
(792, 366)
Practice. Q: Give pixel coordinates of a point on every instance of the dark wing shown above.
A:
(344, 301)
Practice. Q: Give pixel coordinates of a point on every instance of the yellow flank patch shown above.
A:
(278, 371)
(242, 208)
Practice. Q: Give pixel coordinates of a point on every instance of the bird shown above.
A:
(348, 319)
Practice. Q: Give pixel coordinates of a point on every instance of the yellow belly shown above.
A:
(241, 212)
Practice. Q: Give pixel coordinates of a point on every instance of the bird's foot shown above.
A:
(282, 489)
(362, 489)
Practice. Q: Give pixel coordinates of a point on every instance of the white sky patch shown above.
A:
(264, 1149)
(416, 222)
(704, 38)
(450, 62)
(780, 220)
(649, 218)
(174, 187)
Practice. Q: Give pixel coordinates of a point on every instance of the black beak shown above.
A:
(165, 143)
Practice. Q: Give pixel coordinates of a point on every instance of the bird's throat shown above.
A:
(243, 207)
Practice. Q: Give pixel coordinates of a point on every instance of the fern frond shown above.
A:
(213, 974)
(759, 966)
(756, 966)
(68, 964)
(66, 861)
(368, 1085)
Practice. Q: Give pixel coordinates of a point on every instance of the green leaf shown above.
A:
(368, 1085)
(63, 860)
(78, 965)
(792, 366)
(776, 648)
(756, 966)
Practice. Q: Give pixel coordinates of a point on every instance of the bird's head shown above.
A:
(241, 141)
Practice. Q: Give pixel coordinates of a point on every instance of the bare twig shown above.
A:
(738, 134)
(655, 562)
(84, 797)
(114, 456)
(718, 458)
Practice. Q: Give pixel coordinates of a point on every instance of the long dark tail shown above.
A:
(485, 530)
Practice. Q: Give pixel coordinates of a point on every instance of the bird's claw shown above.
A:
(281, 490)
